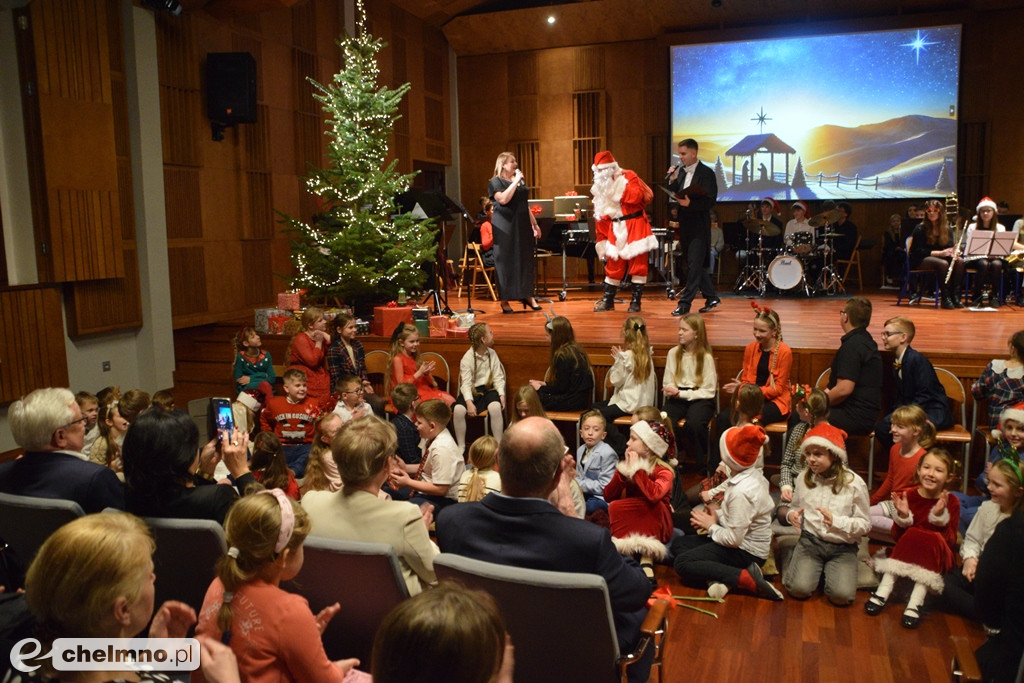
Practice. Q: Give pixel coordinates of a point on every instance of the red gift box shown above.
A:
(458, 332)
(386, 319)
(288, 301)
(438, 325)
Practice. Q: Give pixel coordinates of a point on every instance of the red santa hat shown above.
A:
(1014, 412)
(832, 439)
(774, 204)
(801, 205)
(656, 437)
(740, 446)
(604, 160)
(989, 202)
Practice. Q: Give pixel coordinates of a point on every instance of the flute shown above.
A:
(956, 254)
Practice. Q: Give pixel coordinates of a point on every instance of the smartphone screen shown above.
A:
(223, 417)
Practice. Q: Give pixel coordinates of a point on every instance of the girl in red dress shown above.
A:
(405, 349)
(638, 495)
(307, 352)
(925, 531)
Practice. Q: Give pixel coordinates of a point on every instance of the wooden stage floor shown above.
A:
(806, 323)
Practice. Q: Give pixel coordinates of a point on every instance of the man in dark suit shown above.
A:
(520, 528)
(694, 224)
(915, 380)
(49, 425)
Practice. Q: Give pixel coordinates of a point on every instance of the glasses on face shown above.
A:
(357, 392)
(82, 420)
(886, 334)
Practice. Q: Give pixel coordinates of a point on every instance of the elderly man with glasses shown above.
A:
(49, 425)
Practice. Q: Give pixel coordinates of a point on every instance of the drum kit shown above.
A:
(787, 269)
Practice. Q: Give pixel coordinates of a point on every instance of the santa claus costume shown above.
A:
(638, 495)
(925, 540)
(623, 233)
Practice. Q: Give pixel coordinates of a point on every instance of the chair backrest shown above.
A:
(377, 370)
(364, 577)
(954, 389)
(823, 378)
(560, 623)
(27, 521)
(186, 552)
(441, 372)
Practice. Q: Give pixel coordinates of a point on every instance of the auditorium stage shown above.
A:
(807, 324)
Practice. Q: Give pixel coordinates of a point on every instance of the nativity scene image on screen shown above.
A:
(855, 115)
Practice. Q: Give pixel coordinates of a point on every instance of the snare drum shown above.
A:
(785, 272)
(800, 242)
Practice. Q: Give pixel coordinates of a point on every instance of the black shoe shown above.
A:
(638, 293)
(682, 309)
(874, 605)
(911, 618)
(607, 302)
(957, 299)
(915, 298)
(764, 589)
(527, 304)
(505, 308)
(947, 303)
(708, 305)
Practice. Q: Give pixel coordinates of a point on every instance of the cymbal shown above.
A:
(832, 235)
(760, 227)
(824, 217)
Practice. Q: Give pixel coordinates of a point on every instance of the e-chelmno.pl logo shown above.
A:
(109, 654)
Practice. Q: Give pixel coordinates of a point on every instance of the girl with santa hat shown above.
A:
(988, 271)
(830, 507)
(623, 232)
(638, 495)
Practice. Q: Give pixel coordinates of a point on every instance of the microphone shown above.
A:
(671, 171)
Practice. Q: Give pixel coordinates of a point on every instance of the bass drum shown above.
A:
(785, 272)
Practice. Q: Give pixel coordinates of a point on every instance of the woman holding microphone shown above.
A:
(515, 228)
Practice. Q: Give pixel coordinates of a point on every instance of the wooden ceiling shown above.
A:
(473, 27)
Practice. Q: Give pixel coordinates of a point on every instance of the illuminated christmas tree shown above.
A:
(360, 244)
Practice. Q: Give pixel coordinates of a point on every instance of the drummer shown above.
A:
(847, 230)
(799, 221)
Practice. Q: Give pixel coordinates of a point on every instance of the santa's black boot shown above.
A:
(638, 293)
(607, 303)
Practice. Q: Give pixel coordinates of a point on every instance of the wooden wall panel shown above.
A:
(258, 279)
(187, 279)
(106, 305)
(74, 149)
(183, 205)
(31, 355)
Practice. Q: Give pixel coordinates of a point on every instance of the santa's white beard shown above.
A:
(607, 191)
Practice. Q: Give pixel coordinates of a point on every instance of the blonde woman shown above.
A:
(515, 229)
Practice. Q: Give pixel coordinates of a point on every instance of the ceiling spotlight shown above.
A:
(172, 6)
(551, 18)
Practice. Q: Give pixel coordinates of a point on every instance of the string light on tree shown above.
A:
(359, 245)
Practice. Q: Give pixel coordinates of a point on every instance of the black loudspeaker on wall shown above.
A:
(231, 87)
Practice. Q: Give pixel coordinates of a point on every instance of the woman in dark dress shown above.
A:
(931, 248)
(515, 228)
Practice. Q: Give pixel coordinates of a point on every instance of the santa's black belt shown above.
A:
(635, 214)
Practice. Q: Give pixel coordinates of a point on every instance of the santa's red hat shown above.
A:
(604, 160)
(740, 446)
(655, 436)
(1014, 412)
(802, 206)
(774, 204)
(832, 439)
(989, 202)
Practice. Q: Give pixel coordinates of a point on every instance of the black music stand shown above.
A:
(434, 204)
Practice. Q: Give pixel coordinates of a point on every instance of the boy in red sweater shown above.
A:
(291, 417)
